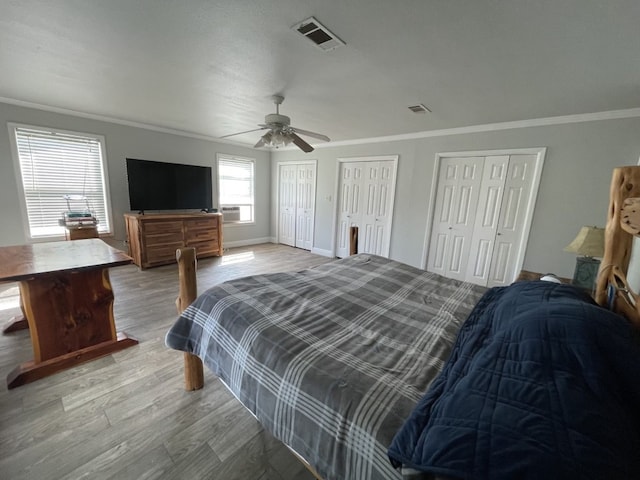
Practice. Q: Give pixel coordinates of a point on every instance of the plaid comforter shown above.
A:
(331, 360)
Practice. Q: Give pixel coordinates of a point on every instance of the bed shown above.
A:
(371, 369)
(331, 360)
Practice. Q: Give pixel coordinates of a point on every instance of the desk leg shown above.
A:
(70, 318)
(17, 323)
(30, 371)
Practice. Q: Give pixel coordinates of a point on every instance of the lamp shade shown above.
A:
(589, 242)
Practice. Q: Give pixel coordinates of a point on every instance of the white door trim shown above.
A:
(372, 158)
(294, 162)
(540, 153)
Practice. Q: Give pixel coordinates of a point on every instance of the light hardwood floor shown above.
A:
(126, 416)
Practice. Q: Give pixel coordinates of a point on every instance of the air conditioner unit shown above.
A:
(230, 214)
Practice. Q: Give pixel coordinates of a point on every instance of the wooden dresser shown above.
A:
(154, 238)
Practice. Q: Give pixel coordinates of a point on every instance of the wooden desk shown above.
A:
(66, 296)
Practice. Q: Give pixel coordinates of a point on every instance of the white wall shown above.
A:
(574, 188)
(122, 142)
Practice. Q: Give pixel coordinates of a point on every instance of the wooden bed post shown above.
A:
(186, 257)
(622, 224)
(353, 240)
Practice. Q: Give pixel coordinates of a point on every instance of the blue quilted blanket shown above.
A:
(541, 384)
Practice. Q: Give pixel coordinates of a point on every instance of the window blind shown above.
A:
(54, 164)
(236, 185)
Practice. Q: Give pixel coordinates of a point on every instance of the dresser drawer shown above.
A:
(205, 248)
(162, 253)
(201, 235)
(201, 223)
(164, 238)
(150, 228)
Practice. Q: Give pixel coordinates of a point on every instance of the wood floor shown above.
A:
(126, 416)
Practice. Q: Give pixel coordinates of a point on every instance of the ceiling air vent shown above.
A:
(318, 34)
(419, 109)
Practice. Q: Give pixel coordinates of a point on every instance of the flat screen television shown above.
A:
(168, 186)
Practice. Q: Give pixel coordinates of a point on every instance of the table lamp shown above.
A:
(589, 243)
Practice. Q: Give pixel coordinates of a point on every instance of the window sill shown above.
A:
(237, 224)
(61, 237)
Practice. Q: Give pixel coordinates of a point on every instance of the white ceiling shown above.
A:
(210, 67)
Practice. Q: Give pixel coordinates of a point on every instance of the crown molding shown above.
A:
(494, 127)
(119, 121)
(489, 127)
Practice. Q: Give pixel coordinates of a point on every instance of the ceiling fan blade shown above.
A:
(300, 143)
(319, 136)
(240, 133)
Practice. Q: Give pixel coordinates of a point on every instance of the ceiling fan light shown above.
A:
(266, 138)
(278, 139)
(281, 133)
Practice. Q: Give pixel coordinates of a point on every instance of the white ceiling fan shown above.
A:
(280, 131)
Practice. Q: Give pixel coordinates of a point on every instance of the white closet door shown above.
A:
(366, 192)
(349, 213)
(305, 205)
(287, 206)
(456, 202)
(375, 222)
(480, 237)
(367, 221)
(487, 216)
(518, 185)
(384, 207)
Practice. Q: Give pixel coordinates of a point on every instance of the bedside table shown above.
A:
(526, 275)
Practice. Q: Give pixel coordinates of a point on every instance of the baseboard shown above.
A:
(320, 251)
(250, 241)
(256, 241)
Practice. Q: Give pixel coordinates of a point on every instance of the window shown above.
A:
(236, 189)
(55, 164)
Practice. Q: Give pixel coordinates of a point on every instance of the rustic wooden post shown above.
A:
(186, 257)
(353, 240)
(618, 238)
(631, 216)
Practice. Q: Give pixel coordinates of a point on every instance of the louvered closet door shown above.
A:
(454, 215)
